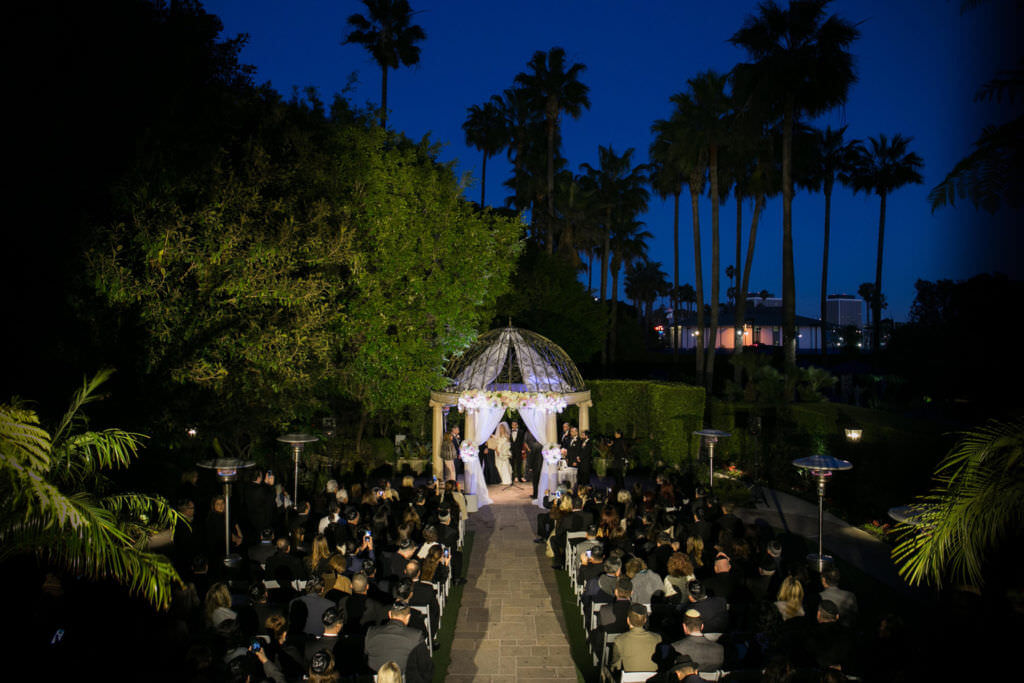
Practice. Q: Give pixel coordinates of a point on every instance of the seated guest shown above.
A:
(714, 611)
(790, 599)
(708, 655)
(612, 617)
(397, 642)
(645, 582)
(680, 574)
(634, 650)
(844, 600)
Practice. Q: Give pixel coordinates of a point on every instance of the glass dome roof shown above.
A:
(511, 359)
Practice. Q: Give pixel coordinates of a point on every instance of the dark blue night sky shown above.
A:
(919, 64)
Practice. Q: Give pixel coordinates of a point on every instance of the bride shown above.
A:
(501, 444)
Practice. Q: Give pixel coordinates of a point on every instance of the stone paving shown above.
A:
(510, 625)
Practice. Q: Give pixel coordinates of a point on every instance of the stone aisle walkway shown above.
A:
(510, 625)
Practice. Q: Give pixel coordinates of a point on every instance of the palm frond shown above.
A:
(22, 439)
(976, 503)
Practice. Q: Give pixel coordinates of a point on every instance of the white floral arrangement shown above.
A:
(552, 454)
(469, 451)
(546, 401)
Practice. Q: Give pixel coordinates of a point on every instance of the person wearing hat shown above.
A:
(634, 650)
(684, 669)
(713, 610)
(313, 604)
(709, 656)
(611, 618)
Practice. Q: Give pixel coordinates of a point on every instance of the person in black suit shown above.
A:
(586, 460)
(518, 439)
(534, 463)
(566, 437)
(617, 468)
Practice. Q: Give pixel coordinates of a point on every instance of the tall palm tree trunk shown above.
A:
(384, 97)
(824, 266)
(614, 316)
(675, 270)
(709, 359)
(737, 339)
(788, 276)
(698, 281)
(483, 180)
(551, 186)
(876, 303)
(741, 302)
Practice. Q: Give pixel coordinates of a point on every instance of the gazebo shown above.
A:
(509, 368)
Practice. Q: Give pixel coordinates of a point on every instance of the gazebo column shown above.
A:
(585, 415)
(552, 435)
(436, 435)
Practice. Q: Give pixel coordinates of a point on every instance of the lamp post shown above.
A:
(227, 472)
(822, 467)
(710, 437)
(297, 441)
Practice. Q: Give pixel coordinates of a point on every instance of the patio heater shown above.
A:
(227, 471)
(710, 437)
(297, 441)
(822, 467)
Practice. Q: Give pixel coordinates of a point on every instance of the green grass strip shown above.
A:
(446, 632)
(578, 646)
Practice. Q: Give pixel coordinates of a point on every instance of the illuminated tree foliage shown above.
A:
(322, 258)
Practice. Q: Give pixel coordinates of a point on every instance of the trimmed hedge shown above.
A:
(659, 418)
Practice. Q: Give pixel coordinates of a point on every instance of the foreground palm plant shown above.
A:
(57, 504)
(976, 504)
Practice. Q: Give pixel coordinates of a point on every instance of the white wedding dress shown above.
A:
(503, 460)
(548, 480)
(474, 480)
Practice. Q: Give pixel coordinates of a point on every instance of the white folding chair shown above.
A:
(636, 676)
(609, 638)
(425, 610)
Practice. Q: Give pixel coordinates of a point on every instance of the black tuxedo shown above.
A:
(586, 462)
(534, 463)
(518, 439)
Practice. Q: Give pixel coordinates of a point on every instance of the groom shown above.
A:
(518, 438)
(534, 461)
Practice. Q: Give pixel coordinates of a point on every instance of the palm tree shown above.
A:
(758, 178)
(645, 282)
(706, 108)
(517, 121)
(887, 166)
(388, 34)
(801, 66)
(677, 147)
(832, 160)
(628, 245)
(977, 503)
(554, 88)
(485, 130)
(53, 501)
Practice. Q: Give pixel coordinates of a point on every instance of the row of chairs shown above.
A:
(590, 621)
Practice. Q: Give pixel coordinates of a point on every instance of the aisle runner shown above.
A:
(509, 626)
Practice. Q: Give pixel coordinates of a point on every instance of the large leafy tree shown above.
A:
(800, 66)
(485, 130)
(976, 505)
(881, 167)
(57, 504)
(333, 260)
(553, 87)
(388, 34)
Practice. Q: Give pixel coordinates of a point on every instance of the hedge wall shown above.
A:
(658, 417)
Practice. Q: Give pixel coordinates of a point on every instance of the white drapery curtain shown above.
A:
(487, 420)
(536, 421)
